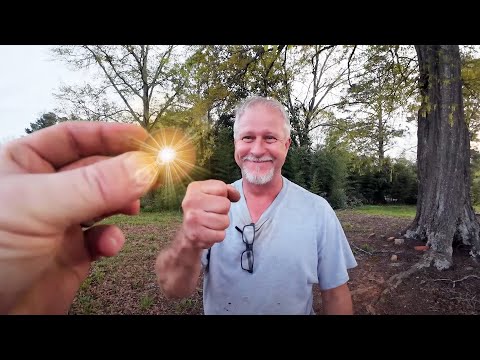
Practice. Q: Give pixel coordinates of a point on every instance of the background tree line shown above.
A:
(347, 105)
(350, 95)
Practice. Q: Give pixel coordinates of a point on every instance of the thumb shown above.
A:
(81, 194)
(232, 193)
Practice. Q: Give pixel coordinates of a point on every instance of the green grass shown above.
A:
(146, 302)
(145, 218)
(402, 211)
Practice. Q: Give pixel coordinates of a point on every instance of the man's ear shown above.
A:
(288, 143)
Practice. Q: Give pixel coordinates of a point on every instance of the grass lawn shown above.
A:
(401, 211)
(126, 283)
(154, 218)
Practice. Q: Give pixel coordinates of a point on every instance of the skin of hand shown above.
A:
(205, 219)
(51, 182)
(205, 212)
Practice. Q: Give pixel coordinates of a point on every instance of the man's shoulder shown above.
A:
(302, 194)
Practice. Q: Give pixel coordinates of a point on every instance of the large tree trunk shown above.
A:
(444, 211)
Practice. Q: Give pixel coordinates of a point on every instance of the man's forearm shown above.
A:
(337, 301)
(178, 268)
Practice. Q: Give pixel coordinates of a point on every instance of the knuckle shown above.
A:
(192, 197)
(227, 221)
(225, 205)
(191, 218)
(220, 236)
(96, 179)
(192, 186)
(186, 202)
(214, 182)
(193, 234)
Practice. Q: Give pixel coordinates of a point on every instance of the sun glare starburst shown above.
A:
(165, 155)
(169, 156)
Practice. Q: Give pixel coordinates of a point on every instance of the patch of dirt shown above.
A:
(126, 284)
(428, 291)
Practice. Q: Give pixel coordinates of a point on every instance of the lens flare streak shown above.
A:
(169, 157)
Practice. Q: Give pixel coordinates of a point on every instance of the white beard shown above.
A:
(255, 178)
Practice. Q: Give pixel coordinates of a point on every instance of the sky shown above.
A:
(29, 75)
(28, 78)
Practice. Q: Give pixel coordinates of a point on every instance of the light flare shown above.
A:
(165, 155)
(169, 157)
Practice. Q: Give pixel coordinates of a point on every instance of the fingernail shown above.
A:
(144, 176)
(114, 243)
(142, 172)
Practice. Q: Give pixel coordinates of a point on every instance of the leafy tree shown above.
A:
(134, 83)
(475, 171)
(404, 182)
(329, 168)
(222, 163)
(46, 120)
(471, 92)
(311, 76)
(376, 98)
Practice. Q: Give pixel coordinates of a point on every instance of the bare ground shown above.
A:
(126, 284)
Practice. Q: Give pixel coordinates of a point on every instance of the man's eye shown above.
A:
(270, 139)
(247, 138)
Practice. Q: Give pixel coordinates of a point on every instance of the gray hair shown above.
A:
(254, 100)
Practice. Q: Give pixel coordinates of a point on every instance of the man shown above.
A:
(51, 183)
(263, 253)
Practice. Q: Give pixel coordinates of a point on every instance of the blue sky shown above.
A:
(28, 78)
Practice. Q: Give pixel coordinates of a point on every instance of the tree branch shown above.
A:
(348, 63)
(99, 62)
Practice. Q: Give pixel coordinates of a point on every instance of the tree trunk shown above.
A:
(380, 135)
(444, 211)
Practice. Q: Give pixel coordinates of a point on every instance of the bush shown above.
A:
(164, 198)
(338, 199)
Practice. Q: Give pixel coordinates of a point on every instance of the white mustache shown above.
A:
(256, 159)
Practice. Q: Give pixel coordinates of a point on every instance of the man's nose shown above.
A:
(258, 147)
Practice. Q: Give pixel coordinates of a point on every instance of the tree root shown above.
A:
(395, 280)
(459, 280)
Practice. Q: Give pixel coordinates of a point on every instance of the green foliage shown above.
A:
(372, 183)
(385, 85)
(471, 92)
(165, 198)
(315, 186)
(338, 198)
(404, 182)
(133, 83)
(347, 180)
(222, 75)
(222, 163)
(299, 163)
(191, 123)
(475, 175)
(44, 121)
(146, 302)
(329, 176)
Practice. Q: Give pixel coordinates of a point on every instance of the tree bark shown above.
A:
(444, 211)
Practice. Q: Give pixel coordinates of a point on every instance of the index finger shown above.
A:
(70, 141)
(219, 188)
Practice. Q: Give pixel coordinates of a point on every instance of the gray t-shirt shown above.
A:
(298, 242)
